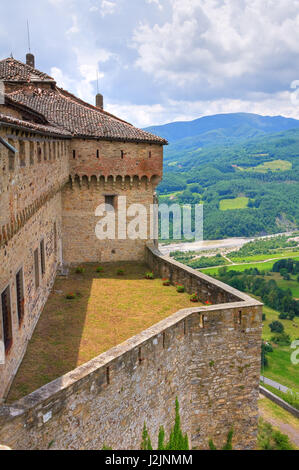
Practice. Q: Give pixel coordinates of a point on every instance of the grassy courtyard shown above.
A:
(107, 309)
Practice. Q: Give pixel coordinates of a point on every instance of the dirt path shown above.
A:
(292, 430)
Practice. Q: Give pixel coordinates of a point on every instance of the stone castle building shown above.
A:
(60, 158)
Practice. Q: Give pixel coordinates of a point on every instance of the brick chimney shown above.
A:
(99, 101)
(30, 60)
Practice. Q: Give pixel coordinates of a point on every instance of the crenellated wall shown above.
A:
(99, 169)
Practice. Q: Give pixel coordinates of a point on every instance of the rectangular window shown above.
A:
(31, 153)
(20, 294)
(55, 239)
(39, 152)
(22, 153)
(109, 201)
(74, 154)
(45, 151)
(36, 268)
(98, 154)
(11, 157)
(6, 318)
(42, 257)
(122, 154)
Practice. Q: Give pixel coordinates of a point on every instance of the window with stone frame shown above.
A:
(20, 294)
(42, 257)
(36, 269)
(6, 319)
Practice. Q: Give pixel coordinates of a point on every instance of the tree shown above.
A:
(276, 327)
(177, 440)
(229, 442)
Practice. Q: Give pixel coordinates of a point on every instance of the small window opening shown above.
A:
(110, 203)
(36, 268)
(20, 295)
(201, 321)
(42, 257)
(122, 154)
(7, 320)
(108, 375)
(98, 154)
(74, 154)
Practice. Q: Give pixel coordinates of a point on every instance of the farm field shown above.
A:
(265, 266)
(264, 257)
(275, 165)
(280, 367)
(231, 204)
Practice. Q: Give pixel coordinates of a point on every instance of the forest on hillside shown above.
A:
(247, 188)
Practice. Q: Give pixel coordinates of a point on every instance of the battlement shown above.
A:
(207, 356)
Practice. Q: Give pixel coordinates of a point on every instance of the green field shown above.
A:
(231, 204)
(280, 367)
(267, 266)
(275, 165)
(264, 257)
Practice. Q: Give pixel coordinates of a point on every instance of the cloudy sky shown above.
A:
(164, 60)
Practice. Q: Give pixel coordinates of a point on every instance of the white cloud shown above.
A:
(156, 2)
(107, 7)
(172, 110)
(74, 28)
(210, 41)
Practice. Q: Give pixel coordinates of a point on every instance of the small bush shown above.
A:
(99, 270)
(271, 439)
(70, 296)
(283, 339)
(194, 298)
(120, 272)
(276, 327)
(149, 275)
(80, 270)
(180, 289)
(166, 282)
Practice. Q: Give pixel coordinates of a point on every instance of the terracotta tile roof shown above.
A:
(81, 119)
(64, 110)
(12, 70)
(5, 119)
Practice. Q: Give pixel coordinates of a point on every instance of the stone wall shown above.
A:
(214, 371)
(80, 243)
(30, 211)
(193, 281)
(209, 357)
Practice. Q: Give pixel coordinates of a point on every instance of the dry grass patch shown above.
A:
(107, 310)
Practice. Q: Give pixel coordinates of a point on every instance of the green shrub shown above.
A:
(229, 442)
(177, 440)
(80, 270)
(120, 272)
(99, 270)
(149, 275)
(283, 339)
(180, 289)
(271, 439)
(70, 296)
(276, 327)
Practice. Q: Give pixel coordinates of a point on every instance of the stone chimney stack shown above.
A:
(99, 101)
(30, 60)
